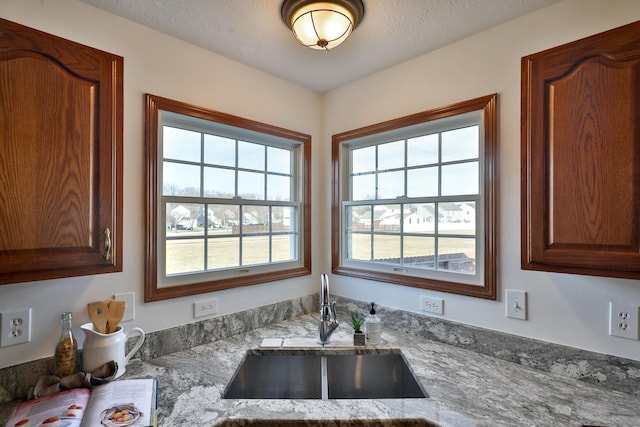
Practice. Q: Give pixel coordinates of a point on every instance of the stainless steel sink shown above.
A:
(371, 376)
(304, 375)
(262, 376)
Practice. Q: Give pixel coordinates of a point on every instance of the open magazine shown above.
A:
(115, 404)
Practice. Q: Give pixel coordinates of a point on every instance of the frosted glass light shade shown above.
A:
(322, 25)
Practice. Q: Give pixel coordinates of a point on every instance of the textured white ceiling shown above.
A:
(252, 32)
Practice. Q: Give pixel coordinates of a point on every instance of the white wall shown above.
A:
(157, 64)
(565, 309)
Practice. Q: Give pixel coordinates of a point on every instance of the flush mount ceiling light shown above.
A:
(322, 25)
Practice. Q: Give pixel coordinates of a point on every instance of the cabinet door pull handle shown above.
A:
(107, 243)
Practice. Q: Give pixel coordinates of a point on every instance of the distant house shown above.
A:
(213, 220)
(416, 222)
(283, 220)
(248, 218)
(179, 218)
(450, 212)
(179, 213)
(469, 210)
(415, 218)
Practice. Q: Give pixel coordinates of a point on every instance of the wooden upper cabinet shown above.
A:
(581, 156)
(60, 157)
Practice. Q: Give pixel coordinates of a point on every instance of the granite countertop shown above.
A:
(465, 389)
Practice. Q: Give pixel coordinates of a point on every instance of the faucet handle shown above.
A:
(333, 312)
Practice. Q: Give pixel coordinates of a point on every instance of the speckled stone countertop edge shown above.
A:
(608, 371)
(594, 368)
(465, 388)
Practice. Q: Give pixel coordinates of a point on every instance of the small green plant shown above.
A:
(356, 323)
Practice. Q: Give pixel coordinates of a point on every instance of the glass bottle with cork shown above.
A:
(67, 347)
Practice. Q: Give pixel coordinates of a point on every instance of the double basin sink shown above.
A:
(315, 374)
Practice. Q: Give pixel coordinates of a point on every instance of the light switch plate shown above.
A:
(516, 304)
(129, 299)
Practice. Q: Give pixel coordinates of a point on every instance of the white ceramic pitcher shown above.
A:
(100, 348)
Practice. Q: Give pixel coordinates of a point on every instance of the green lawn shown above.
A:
(187, 255)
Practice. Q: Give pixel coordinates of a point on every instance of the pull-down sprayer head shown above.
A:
(328, 322)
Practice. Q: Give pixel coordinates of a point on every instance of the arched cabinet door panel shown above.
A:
(581, 156)
(60, 157)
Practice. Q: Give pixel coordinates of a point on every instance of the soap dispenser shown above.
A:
(373, 326)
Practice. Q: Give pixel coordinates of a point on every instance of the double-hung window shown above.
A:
(229, 198)
(414, 200)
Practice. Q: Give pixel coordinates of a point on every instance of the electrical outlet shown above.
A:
(431, 305)
(16, 327)
(516, 305)
(129, 299)
(623, 320)
(205, 308)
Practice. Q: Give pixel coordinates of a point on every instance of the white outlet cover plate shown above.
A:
(623, 320)
(205, 308)
(8, 319)
(431, 305)
(516, 304)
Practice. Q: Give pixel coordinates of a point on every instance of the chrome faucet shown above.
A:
(328, 322)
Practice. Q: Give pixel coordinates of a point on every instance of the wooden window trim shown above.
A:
(154, 104)
(488, 104)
